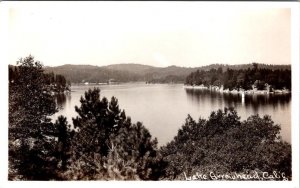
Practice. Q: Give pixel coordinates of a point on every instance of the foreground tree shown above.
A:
(64, 136)
(30, 105)
(37, 147)
(108, 146)
(223, 144)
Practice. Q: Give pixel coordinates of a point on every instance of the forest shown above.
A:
(104, 144)
(242, 79)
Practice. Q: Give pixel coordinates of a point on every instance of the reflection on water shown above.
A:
(253, 101)
(271, 100)
(215, 98)
(61, 100)
(162, 108)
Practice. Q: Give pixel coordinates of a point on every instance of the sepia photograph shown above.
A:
(152, 91)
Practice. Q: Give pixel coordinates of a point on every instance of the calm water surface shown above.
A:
(163, 108)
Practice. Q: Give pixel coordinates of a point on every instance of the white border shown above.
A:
(295, 106)
(295, 91)
(3, 94)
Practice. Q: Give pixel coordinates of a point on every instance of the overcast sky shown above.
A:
(153, 33)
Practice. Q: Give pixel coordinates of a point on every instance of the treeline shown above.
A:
(246, 79)
(103, 143)
(245, 66)
(56, 82)
(167, 80)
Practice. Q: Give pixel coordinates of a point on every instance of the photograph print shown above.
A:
(149, 91)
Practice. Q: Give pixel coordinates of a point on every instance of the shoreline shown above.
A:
(234, 91)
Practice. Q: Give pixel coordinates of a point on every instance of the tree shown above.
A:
(255, 66)
(60, 82)
(107, 145)
(136, 150)
(223, 144)
(30, 105)
(95, 121)
(260, 85)
(64, 136)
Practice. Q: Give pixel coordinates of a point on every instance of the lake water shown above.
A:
(163, 108)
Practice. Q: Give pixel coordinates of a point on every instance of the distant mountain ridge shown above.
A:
(138, 72)
(131, 67)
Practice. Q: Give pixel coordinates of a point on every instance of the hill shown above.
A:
(139, 72)
(93, 74)
(131, 67)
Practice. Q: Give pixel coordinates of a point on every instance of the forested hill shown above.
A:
(132, 68)
(138, 72)
(93, 74)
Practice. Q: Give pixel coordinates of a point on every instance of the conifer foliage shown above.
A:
(107, 145)
(31, 141)
(223, 144)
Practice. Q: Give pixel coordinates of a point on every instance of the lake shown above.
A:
(163, 108)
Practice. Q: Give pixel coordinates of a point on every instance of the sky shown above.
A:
(189, 34)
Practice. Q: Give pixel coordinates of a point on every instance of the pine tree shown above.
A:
(108, 146)
(64, 136)
(30, 105)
